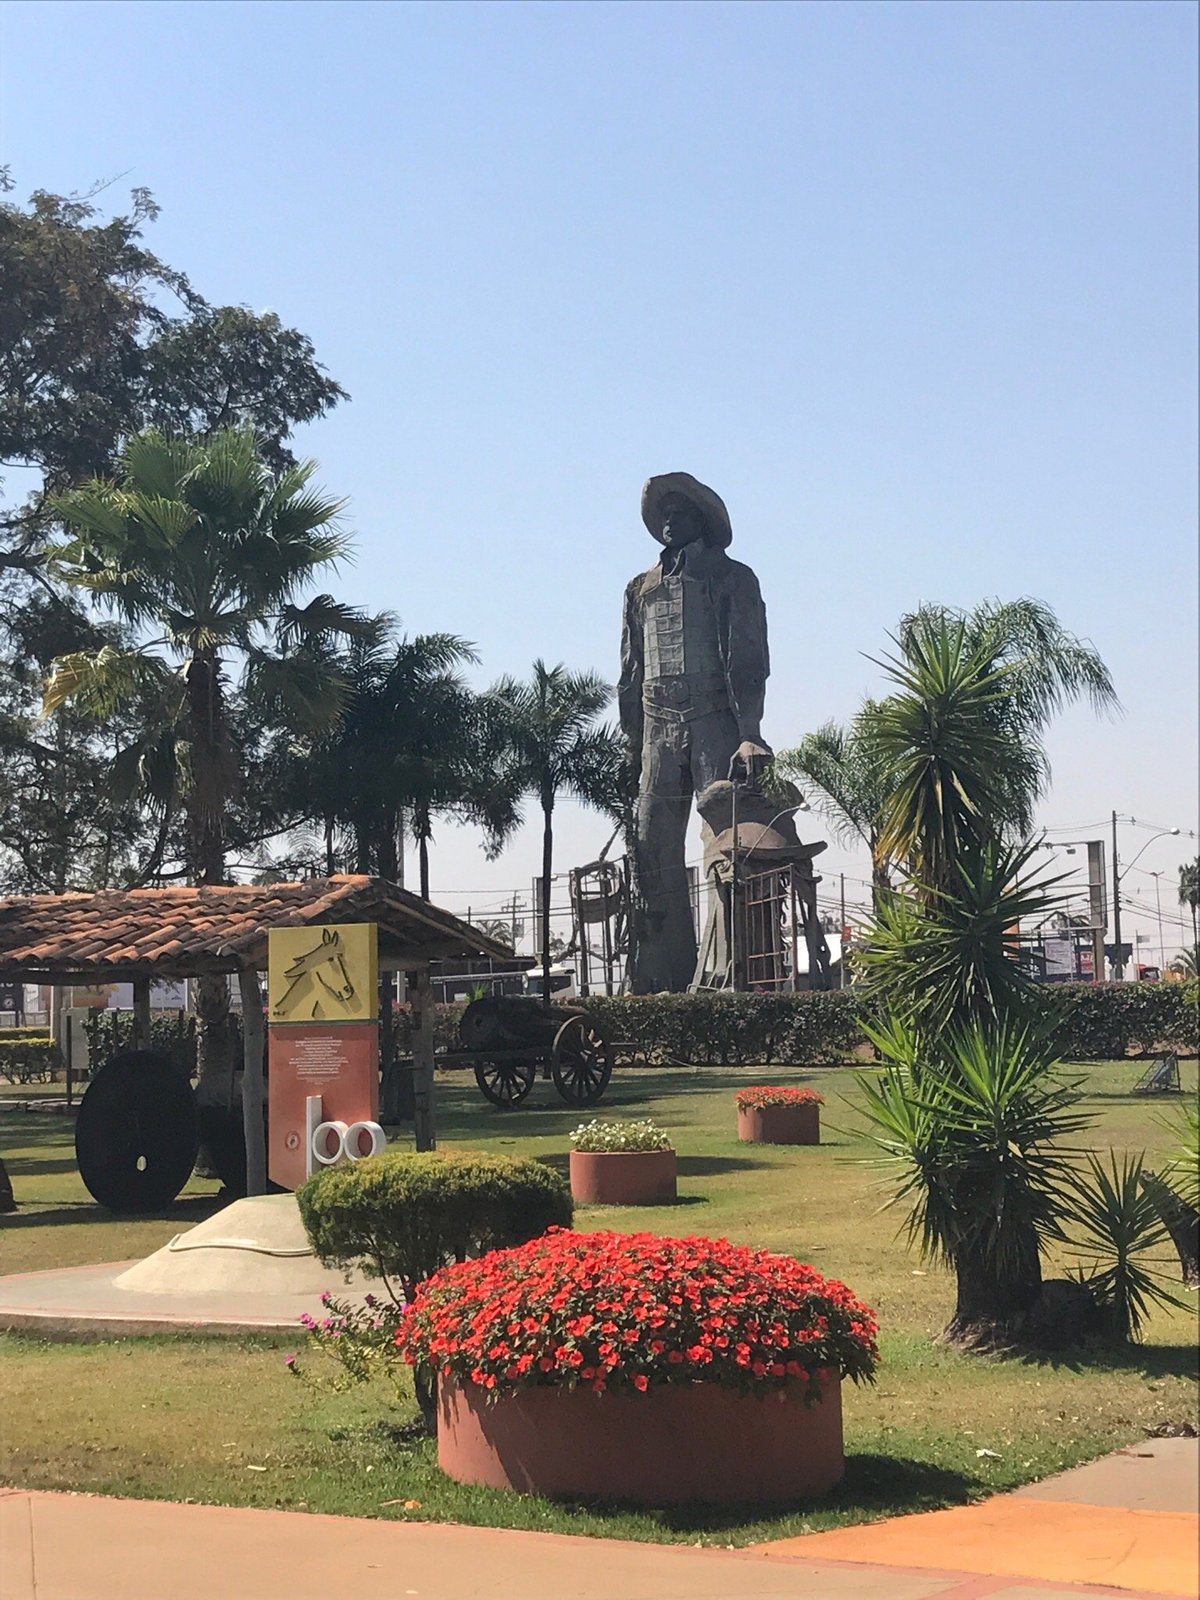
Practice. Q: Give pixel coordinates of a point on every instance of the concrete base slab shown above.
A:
(249, 1268)
(85, 1303)
(256, 1247)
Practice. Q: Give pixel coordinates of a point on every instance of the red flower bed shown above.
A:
(618, 1310)
(765, 1095)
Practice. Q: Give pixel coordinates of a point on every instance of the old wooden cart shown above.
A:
(508, 1039)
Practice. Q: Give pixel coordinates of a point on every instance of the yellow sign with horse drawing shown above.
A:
(328, 974)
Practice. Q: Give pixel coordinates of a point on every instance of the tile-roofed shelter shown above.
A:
(116, 935)
(139, 935)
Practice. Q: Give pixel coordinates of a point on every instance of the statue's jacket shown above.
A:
(693, 644)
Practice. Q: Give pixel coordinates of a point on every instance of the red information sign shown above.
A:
(337, 1062)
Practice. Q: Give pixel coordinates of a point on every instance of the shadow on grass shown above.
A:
(873, 1485)
(708, 1166)
(195, 1208)
(35, 1166)
(1149, 1361)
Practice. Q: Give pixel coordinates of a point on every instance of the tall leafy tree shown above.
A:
(100, 338)
(555, 747)
(203, 552)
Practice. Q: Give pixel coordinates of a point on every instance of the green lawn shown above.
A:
(192, 1419)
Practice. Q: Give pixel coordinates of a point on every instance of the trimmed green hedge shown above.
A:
(1105, 1021)
(402, 1215)
(33, 1059)
(1109, 1021)
(732, 1030)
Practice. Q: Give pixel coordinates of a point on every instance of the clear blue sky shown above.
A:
(912, 285)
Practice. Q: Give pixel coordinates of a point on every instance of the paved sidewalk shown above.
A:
(83, 1547)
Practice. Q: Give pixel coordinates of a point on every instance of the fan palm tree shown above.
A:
(1187, 962)
(554, 746)
(204, 552)
(414, 743)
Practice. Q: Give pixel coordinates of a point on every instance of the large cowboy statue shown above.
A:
(693, 678)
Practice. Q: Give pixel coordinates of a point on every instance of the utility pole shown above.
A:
(1118, 963)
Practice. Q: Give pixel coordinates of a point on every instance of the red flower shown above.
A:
(573, 1308)
(778, 1095)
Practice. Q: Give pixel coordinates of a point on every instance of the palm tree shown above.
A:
(849, 785)
(415, 743)
(1187, 962)
(1045, 667)
(949, 764)
(204, 553)
(553, 746)
(1189, 892)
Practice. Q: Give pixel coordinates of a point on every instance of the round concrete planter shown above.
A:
(780, 1124)
(623, 1177)
(674, 1443)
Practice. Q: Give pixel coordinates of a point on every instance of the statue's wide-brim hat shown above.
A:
(707, 501)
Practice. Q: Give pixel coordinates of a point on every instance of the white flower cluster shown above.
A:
(616, 1137)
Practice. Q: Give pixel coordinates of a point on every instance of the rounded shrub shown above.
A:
(403, 1215)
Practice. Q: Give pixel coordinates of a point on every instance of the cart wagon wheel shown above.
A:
(137, 1132)
(582, 1062)
(505, 1082)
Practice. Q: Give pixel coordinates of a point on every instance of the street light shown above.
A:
(1164, 833)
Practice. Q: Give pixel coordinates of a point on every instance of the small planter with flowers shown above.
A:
(640, 1368)
(779, 1115)
(622, 1164)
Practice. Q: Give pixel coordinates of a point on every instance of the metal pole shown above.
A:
(1118, 963)
(733, 896)
(842, 935)
(141, 1013)
(1162, 949)
(70, 1060)
(795, 929)
(253, 1081)
(423, 1018)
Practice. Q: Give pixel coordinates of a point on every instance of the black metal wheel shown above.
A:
(582, 1063)
(137, 1132)
(505, 1082)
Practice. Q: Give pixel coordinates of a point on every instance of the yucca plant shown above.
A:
(1120, 1229)
(946, 956)
(970, 1132)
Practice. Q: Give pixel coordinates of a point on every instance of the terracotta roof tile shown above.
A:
(171, 932)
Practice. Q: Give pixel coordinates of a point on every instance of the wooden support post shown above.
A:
(423, 1022)
(141, 1013)
(253, 1083)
